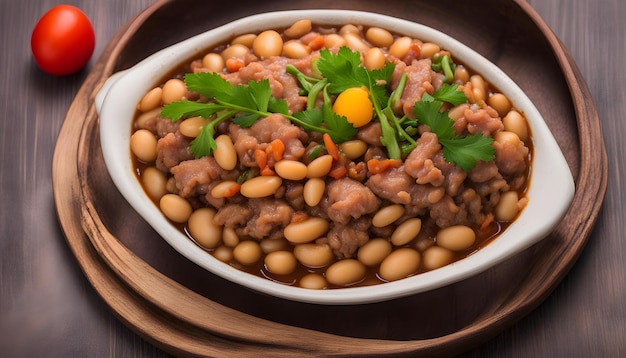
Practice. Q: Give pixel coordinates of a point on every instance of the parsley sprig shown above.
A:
(245, 104)
(464, 151)
(344, 70)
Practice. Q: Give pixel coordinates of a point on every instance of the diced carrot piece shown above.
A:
(232, 191)
(376, 166)
(260, 157)
(331, 147)
(317, 43)
(267, 171)
(489, 219)
(338, 172)
(278, 149)
(234, 64)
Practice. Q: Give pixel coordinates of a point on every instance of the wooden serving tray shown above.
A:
(185, 310)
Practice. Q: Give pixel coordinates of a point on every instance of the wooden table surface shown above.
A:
(49, 309)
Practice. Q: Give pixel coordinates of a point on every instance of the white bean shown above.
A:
(290, 169)
(246, 40)
(313, 191)
(306, 231)
(400, 47)
(406, 231)
(175, 208)
(268, 43)
(296, 49)
(379, 37)
(345, 272)
(456, 238)
(261, 186)
(436, 256)
(506, 209)
(247, 252)
(191, 127)
(320, 166)
(230, 237)
(353, 149)
(144, 145)
(313, 281)
(313, 255)
(154, 181)
(399, 264)
(516, 123)
(374, 251)
(213, 62)
(388, 215)
(150, 100)
(225, 154)
(173, 90)
(202, 228)
(298, 29)
(281, 262)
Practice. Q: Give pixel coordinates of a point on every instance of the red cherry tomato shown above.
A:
(63, 40)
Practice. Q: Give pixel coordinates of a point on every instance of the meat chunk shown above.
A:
(393, 184)
(348, 199)
(259, 218)
(194, 176)
(171, 150)
(482, 120)
(269, 219)
(419, 164)
(233, 215)
(420, 78)
(511, 156)
(345, 240)
(282, 84)
(263, 132)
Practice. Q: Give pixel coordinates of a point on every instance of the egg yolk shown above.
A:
(355, 105)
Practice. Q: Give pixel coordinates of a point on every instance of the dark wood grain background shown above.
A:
(48, 308)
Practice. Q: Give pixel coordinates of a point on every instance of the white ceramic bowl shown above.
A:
(550, 192)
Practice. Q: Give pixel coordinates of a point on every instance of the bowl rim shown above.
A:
(549, 200)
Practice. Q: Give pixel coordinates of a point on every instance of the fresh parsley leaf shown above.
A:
(428, 113)
(450, 93)
(204, 143)
(465, 151)
(260, 94)
(312, 116)
(245, 104)
(343, 70)
(443, 64)
(306, 82)
(275, 105)
(340, 129)
(209, 85)
(185, 109)
(246, 120)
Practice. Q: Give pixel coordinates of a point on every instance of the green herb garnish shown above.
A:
(344, 70)
(463, 151)
(444, 64)
(244, 105)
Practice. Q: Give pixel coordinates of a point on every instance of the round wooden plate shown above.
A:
(185, 310)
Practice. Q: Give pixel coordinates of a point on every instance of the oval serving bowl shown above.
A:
(550, 191)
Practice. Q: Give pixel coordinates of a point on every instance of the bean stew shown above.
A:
(329, 157)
